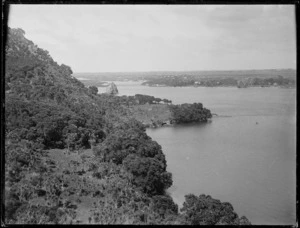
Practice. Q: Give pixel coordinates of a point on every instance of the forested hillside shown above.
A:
(74, 156)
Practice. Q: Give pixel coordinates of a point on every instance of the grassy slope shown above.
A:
(80, 175)
(150, 114)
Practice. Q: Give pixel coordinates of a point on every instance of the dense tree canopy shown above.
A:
(49, 114)
(186, 113)
(204, 210)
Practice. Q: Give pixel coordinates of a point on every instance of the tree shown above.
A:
(164, 204)
(93, 90)
(149, 174)
(204, 210)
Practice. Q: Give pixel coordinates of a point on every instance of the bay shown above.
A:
(246, 157)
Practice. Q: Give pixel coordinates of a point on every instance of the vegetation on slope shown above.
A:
(152, 115)
(156, 112)
(75, 156)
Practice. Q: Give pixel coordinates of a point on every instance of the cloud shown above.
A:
(244, 28)
(161, 37)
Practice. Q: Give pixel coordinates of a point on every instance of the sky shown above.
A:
(118, 38)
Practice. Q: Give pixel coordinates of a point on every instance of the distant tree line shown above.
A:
(226, 81)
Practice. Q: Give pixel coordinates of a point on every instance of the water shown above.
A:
(247, 159)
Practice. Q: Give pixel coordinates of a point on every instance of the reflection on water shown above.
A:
(248, 159)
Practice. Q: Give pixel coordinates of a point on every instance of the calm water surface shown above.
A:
(247, 158)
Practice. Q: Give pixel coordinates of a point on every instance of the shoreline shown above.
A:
(230, 86)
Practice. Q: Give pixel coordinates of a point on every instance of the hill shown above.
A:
(74, 156)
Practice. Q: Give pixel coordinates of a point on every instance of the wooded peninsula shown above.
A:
(73, 156)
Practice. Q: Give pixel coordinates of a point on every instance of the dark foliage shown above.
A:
(164, 204)
(204, 210)
(186, 113)
(143, 99)
(93, 90)
(149, 174)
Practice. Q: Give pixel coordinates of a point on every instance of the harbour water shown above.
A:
(246, 156)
